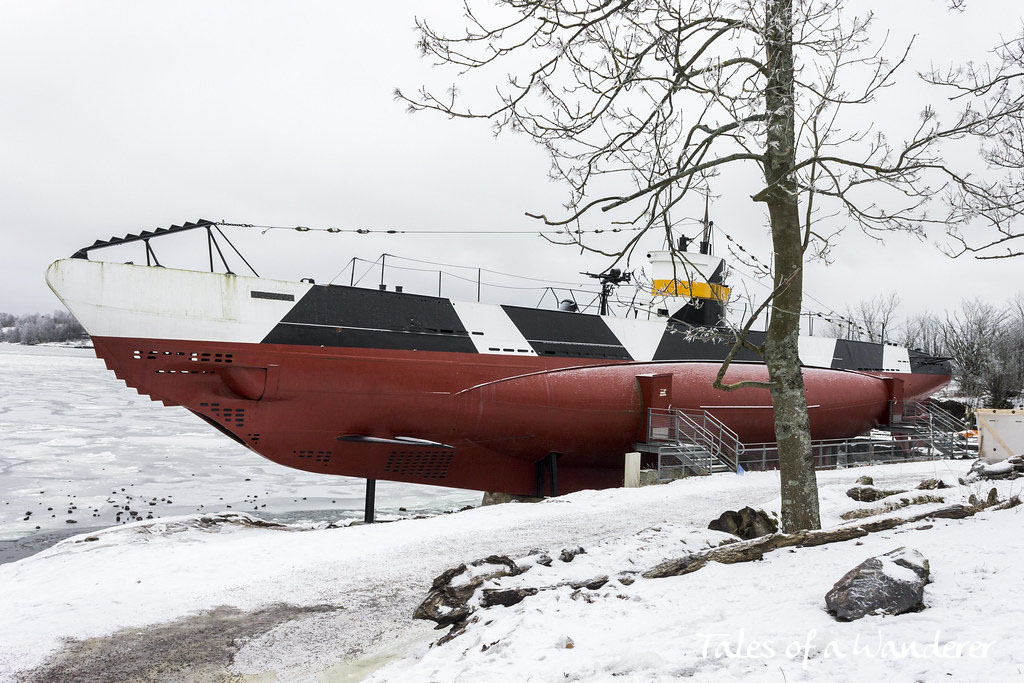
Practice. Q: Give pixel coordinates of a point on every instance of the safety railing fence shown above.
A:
(840, 453)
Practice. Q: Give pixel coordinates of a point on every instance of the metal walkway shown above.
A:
(694, 442)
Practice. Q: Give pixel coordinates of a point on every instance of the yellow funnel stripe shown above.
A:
(697, 290)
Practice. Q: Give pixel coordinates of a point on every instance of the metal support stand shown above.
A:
(548, 464)
(371, 495)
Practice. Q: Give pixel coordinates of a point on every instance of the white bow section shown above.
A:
(121, 300)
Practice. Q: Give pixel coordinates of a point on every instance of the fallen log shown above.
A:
(748, 551)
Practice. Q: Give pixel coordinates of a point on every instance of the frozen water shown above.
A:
(77, 444)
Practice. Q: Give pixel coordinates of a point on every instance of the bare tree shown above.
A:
(924, 332)
(987, 216)
(873, 320)
(641, 104)
(987, 347)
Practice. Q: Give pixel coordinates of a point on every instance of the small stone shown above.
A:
(505, 597)
(568, 554)
(865, 480)
(70, 521)
(590, 584)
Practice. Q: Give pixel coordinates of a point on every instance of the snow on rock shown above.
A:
(1004, 469)
(892, 583)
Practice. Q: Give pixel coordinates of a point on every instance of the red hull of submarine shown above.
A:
(491, 418)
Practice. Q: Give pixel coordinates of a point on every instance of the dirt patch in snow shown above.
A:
(199, 648)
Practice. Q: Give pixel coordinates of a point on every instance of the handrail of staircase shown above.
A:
(689, 461)
(726, 435)
(717, 446)
(945, 418)
(675, 416)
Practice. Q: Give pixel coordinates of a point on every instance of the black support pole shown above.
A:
(547, 467)
(553, 473)
(371, 495)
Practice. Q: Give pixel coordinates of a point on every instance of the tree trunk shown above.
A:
(781, 348)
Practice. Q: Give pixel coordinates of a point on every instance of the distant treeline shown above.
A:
(38, 328)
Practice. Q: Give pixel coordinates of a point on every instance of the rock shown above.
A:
(497, 498)
(648, 477)
(993, 497)
(932, 484)
(506, 597)
(590, 584)
(446, 600)
(568, 554)
(865, 481)
(869, 494)
(891, 584)
(1011, 468)
(747, 523)
(544, 560)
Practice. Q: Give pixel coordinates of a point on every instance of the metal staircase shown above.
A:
(690, 442)
(694, 442)
(939, 428)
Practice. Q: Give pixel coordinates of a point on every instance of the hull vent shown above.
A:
(228, 416)
(194, 356)
(420, 464)
(315, 456)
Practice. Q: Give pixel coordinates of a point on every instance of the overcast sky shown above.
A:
(117, 116)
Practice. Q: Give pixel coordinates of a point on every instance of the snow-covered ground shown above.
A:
(77, 445)
(330, 603)
(183, 598)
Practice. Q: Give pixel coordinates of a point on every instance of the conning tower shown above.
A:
(690, 286)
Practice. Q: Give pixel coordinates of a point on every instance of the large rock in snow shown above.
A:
(747, 523)
(446, 601)
(892, 583)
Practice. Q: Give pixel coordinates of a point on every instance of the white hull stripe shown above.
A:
(491, 330)
(121, 300)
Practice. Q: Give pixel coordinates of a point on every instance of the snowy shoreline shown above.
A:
(309, 602)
